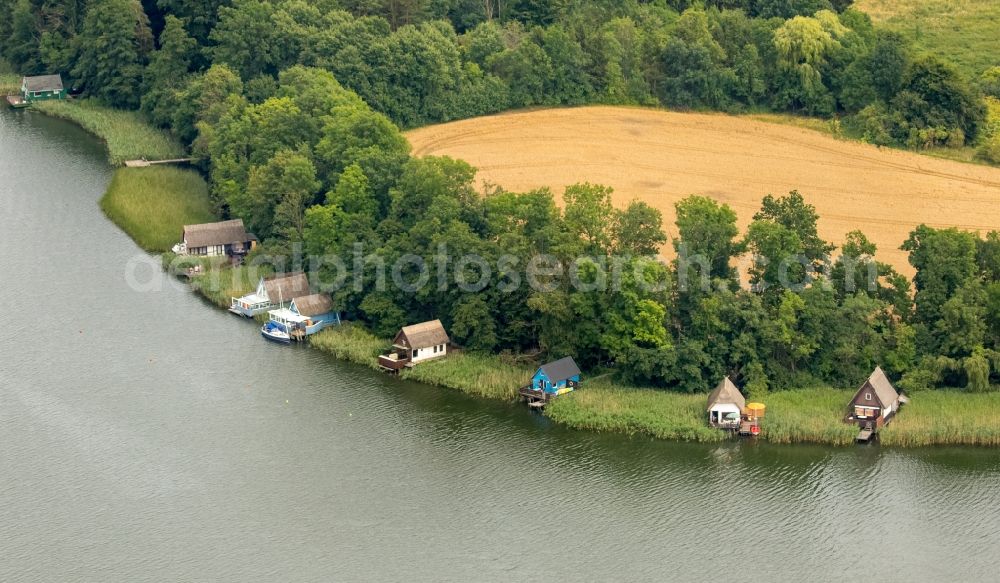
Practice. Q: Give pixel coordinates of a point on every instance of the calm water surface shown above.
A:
(145, 436)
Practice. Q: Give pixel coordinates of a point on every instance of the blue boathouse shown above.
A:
(306, 315)
(556, 378)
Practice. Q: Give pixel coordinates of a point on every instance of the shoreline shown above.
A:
(806, 416)
(797, 416)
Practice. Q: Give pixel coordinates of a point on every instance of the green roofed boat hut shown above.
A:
(42, 88)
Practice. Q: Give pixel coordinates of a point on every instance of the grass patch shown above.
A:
(350, 342)
(829, 127)
(476, 374)
(833, 127)
(798, 416)
(808, 416)
(220, 282)
(153, 204)
(962, 31)
(127, 134)
(10, 81)
(481, 375)
(600, 406)
(946, 418)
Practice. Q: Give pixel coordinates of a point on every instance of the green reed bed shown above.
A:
(813, 415)
(350, 342)
(808, 416)
(482, 375)
(603, 407)
(9, 85)
(153, 204)
(221, 283)
(946, 418)
(127, 133)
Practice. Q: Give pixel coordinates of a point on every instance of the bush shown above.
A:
(989, 82)
(990, 150)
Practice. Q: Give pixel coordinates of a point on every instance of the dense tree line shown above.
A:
(424, 61)
(293, 109)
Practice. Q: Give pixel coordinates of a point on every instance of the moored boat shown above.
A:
(275, 333)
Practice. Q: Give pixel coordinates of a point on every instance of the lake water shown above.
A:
(146, 436)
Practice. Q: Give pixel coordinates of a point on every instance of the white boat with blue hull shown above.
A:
(305, 316)
(275, 332)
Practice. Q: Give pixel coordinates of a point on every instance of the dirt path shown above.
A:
(661, 157)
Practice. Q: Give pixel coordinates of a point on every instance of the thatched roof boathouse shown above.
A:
(415, 344)
(271, 292)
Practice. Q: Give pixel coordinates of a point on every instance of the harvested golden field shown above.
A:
(661, 157)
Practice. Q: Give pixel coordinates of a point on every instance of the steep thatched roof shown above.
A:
(313, 305)
(425, 334)
(285, 288)
(211, 234)
(561, 369)
(43, 83)
(880, 385)
(726, 393)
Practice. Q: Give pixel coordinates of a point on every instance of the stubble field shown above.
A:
(660, 157)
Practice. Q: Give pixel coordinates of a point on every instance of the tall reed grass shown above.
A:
(482, 375)
(602, 406)
(153, 204)
(813, 415)
(946, 418)
(477, 374)
(350, 342)
(9, 84)
(127, 133)
(808, 416)
(219, 282)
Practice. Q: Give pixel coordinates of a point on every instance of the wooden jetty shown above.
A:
(16, 101)
(143, 163)
(535, 398)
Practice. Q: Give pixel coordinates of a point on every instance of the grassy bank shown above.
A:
(830, 127)
(477, 374)
(153, 204)
(10, 81)
(946, 418)
(812, 415)
(9, 84)
(603, 407)
(962, 31)
(127, 134)
(220, 284)
(352, 343)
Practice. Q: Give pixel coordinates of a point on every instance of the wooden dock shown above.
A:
(16, 101)
(143, 163)
(749, 427)
(865, 435)
(534, 398)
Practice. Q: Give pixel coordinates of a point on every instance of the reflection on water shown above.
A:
(148, 437)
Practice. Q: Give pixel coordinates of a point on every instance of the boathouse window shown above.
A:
(868, 396)
(416, 351)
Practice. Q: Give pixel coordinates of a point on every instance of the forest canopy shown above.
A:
(293, 110)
